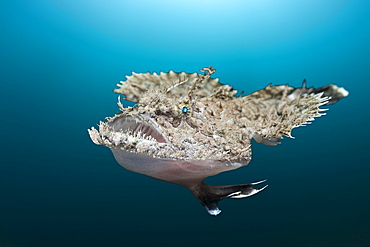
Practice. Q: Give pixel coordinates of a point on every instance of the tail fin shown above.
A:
(209, 195)
(332, 91)
(276, 110)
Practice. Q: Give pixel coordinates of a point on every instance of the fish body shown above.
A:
(186, 127)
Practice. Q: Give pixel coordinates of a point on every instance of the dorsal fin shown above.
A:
(172, 83)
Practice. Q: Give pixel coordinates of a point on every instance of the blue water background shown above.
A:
(60, 61)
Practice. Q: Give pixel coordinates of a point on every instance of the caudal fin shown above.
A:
(209, 195)
(277, 110)
(333, 92)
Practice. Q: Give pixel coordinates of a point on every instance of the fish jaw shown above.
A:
(187, 173)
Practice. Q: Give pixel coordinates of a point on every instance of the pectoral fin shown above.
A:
(269, 142)
(209, 195)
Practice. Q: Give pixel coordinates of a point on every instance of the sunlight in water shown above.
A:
(242, 23)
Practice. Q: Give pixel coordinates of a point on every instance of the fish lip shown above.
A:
(138, 124)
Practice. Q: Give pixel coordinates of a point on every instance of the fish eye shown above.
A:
(184, 109)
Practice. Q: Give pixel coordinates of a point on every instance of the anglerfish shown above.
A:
(185, 127)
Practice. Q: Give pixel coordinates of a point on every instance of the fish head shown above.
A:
(176, 130)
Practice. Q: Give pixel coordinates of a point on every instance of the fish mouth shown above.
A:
(136, 126)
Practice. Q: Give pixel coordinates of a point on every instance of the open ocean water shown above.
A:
(60, 61)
